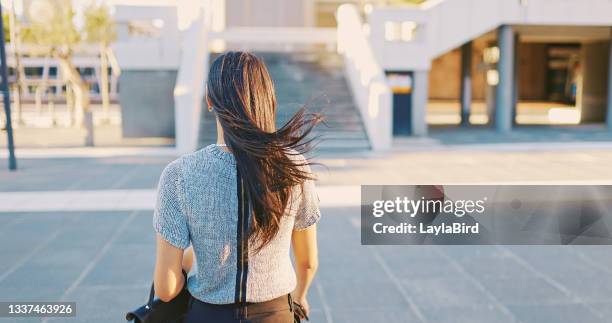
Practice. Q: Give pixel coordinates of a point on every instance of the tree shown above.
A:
(58, 36)
(7, 26)
(100, 29)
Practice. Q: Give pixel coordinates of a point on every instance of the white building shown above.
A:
(502, 63)
(496, 62)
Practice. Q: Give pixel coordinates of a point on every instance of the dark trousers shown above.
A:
(273, 311)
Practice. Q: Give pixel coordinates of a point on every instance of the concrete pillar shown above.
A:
(420, 97)
(609, 107)
(189, 88)
(592, 99)
(515, 75)
(504, 99)
(466, 83)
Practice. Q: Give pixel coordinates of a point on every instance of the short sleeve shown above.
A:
(308, 212)
(169, 218)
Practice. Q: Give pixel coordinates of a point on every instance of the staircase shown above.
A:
(314, 79)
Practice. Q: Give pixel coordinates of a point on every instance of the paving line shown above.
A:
(145, 287)
(591, 261)
(523, 263)
(24, 259)
(144, 199)
(429, 146)
(135, 199)
(92, 152)
(14, 221)
(83, 200)
(543, 146)
(90, 266)
(88, 178)
(391, 276)
(323, 298)
(126, 177)
(498, 304)
(562, 288)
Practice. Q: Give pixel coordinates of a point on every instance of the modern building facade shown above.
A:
(470, 63)
(503, 63)
(409, 68)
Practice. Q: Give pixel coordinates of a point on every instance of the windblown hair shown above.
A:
(243, 99)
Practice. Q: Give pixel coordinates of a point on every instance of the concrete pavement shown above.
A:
(102, 258)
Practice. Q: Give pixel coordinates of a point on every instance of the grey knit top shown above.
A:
(198, 204)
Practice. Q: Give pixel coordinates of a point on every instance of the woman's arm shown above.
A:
(306, 262)
(168, 278)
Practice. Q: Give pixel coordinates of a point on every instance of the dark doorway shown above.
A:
(401, 85)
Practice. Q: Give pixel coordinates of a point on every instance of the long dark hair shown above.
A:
(242, 96)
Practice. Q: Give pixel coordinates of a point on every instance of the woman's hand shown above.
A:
(304, 303)
(306, 264)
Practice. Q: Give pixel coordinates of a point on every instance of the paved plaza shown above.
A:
(78, 228)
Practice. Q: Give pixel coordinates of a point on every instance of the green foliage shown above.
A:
(58, 32)
(6, 25)
(99, 25)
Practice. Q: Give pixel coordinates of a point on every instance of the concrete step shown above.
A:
(315, 80)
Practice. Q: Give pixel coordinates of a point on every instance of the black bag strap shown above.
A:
(151, 296)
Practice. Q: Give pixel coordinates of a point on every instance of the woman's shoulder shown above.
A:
(299, 159)
(196, 160)
(296, 156)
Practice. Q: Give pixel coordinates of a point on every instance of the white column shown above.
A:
(504, 105)
(218, 23)
(466, 82)
(189, 89)
(420, 97)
